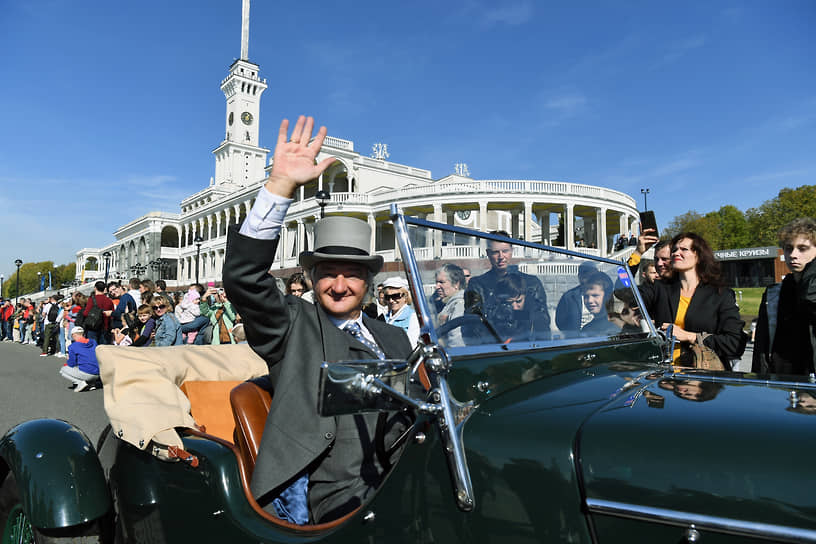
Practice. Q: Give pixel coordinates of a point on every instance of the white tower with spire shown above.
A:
(239, 159)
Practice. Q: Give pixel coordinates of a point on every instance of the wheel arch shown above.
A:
(60, 479)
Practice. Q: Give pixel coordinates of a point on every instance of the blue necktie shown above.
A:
(354, 329)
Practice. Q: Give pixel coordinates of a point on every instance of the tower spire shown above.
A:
(245, 30)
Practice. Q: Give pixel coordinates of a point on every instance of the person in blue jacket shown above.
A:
(82, 368)
(168, 328)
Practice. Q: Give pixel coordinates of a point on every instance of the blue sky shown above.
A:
(112, 109)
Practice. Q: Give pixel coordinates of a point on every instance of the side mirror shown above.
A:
(370, 385)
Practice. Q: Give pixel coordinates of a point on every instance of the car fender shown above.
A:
(61, 481)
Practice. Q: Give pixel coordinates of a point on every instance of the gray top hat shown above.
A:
(339, 238)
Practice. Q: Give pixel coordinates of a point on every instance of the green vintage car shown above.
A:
(535, 420)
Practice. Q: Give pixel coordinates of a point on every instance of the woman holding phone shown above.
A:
(696, 302)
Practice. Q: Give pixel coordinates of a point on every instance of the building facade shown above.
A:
(190, 245)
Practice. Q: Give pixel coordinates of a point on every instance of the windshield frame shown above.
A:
(428, 333)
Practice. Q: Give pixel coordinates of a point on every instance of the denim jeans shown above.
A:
(23, 327)
(100, 337)
(197, 324)
(61, 333)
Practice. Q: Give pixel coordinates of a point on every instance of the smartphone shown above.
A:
(648, 221)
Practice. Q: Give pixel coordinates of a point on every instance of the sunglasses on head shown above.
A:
(160, 307)
(394, 296)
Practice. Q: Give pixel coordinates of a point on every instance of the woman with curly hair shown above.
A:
(696, 302)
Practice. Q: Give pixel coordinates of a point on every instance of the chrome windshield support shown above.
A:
(452, 414)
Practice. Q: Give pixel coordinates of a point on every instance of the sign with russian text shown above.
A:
(746, 253)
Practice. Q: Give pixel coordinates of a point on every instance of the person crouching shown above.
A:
(82, 366)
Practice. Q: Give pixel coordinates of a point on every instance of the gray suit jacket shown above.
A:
(294, 337)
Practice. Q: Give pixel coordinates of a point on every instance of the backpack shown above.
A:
(53, 312)
(93, 321)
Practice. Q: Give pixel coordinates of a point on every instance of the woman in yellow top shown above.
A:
(695, 300)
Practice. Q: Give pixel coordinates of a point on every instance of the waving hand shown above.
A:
(294, 162)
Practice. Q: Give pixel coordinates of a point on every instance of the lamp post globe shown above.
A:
(322, 198)
(19, 263)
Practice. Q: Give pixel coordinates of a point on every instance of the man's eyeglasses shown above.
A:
(160, 307)
(394, 296)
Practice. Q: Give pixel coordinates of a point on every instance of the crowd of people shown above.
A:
(313, 469)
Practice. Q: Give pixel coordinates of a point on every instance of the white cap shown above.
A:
(396, 282)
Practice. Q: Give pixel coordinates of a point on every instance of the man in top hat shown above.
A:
(309, 468)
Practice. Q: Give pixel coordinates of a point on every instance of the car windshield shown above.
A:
(487, 290)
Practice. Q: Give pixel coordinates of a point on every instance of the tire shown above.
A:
(17, 529)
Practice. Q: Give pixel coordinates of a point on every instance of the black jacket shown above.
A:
(711, 310)
(785, 343)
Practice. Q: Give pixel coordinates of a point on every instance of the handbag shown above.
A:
(698, 355)
(223, 332)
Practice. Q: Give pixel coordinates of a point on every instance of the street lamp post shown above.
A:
(322, 198)
(198, 240)
(19, 263)
(39, 281)
(107, 256)
(645, 192)
(156, 266)
(2, 277)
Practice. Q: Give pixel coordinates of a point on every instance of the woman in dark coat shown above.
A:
(695, 301)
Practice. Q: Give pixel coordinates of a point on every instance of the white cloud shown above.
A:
(509, 13)
(679, 49)
(566, 104)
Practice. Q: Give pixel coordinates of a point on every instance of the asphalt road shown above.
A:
(31, 388)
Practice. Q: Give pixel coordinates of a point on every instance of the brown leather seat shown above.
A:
(250, 406)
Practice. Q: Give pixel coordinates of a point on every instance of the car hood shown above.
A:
(701, 445)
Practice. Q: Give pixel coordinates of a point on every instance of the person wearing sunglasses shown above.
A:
(400, 313)
(168, 330)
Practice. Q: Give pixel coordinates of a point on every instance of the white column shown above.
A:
(528, 221)
(483, 216)
(372, 223)
(601, 214)
(283, 245)
(301, 236)
(569, 228)
(436, 241)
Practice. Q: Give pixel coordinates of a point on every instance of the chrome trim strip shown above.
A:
(741, 378)
(712, 523)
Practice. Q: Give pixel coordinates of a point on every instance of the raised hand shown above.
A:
(294, 159)
(646, 240)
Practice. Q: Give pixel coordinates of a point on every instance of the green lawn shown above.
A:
(749, 302)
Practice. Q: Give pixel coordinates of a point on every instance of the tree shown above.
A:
(729, 228)
(765, 221)
(733, 227)
(30, 281)
(707, 226)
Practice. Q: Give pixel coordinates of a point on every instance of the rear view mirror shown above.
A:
(352, 387)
